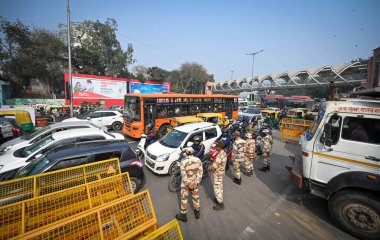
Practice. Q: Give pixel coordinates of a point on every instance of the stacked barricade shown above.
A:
(170, 231)
(292, 129)
(93, 201)
(41, 184)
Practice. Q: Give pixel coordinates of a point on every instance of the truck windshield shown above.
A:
(310, 133)
(132, 109)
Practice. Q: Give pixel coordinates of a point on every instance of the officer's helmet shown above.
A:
(197, 139)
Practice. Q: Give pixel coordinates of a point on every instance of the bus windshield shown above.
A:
(132, 109)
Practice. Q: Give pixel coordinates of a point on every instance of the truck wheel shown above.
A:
(117, 126)
(356, 212)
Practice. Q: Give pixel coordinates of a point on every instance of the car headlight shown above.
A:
(163, 157)
(7, 148)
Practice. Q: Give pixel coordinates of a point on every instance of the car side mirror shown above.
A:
(327, 141)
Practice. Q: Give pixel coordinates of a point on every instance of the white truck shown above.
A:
(340, 162)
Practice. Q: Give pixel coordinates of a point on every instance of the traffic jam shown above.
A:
(211, 135)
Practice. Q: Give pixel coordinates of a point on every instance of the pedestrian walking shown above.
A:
(268, 142)
(250, 153)
(191, 173)
(218, 171)
(238, 155)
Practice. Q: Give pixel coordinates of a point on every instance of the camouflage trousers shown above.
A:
(236, 165)
(184, 197)
(218, 188)
(266, 159)
(248, 164)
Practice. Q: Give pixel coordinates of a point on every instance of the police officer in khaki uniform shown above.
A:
(268, 142)
(238, 155)
(191, 173)
(250, 153)
(218, 171)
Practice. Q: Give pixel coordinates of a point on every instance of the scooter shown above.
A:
(140, 150)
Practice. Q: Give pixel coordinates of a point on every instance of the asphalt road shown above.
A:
(265, 206)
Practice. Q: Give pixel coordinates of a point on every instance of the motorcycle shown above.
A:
(140, 150)
(175, 179)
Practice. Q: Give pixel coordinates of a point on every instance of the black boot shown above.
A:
(181, 217)
(268, 167)
(237, 181)
(215, 200)
(227, 167)
(218, 206)
(263, 169)
(197, 213)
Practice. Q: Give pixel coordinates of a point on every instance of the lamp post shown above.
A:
(253, 64)
(232, 75)
(69, 51)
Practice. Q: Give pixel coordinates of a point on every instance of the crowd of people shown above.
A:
(243, 154)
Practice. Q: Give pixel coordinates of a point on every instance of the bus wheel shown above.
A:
(357, 213)
(163, 130)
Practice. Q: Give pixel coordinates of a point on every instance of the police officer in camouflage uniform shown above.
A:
(250, 153)
(218, 171)
(268, 142)
(238, 155)
(191, 173)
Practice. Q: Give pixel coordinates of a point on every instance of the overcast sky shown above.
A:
(293, 34)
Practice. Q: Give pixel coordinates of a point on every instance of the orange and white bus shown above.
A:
(142, 109)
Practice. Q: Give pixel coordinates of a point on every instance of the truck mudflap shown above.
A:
(296, 170)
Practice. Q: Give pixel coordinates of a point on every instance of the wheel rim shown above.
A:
(117, 126)
(134, 185)
(362, 217)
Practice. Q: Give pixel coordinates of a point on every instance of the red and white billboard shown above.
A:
(110, 90)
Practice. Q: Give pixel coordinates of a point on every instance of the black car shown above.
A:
(76, 154)
(9, 129)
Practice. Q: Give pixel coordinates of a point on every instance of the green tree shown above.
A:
(27, 54)
(140, 72)
(191, 77)
(158, 74)
(96, 49)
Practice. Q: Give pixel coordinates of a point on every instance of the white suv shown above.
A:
(102, 118)
(162, 155)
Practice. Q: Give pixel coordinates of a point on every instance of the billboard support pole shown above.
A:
(69, 51)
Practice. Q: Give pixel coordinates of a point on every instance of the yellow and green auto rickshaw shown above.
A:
(22, 117)
(295, 113)
(216, 118)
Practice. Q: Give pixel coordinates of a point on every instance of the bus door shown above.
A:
(149, 112)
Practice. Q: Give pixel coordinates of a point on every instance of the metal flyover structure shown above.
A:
(352, 74)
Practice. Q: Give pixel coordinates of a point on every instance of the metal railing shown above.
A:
(170, 231)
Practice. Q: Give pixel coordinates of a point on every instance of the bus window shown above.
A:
(132, 108)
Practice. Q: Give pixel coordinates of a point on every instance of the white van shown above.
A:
(162, 155)
(340, 162)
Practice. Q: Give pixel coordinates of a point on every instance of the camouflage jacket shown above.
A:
(238, 150)
(268, 142)
(191, 170)
(251, 148)
(219, 164)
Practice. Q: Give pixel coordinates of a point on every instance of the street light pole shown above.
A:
(232, 75)
(69, 50)
(253, 64)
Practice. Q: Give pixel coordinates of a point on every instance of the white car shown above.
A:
(162, 155)
(11, 161)
(102, 118)
(30, 139)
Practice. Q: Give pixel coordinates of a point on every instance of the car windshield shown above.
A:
(85, 115)
(35, 134)
(252, 111)
(173, 139)
(35, 147)
(132, 109)
(33, 167)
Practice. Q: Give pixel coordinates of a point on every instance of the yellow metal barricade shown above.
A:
(128, 217)
(292, 129)
(28, 215)
(29, 187)
(170, 231)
